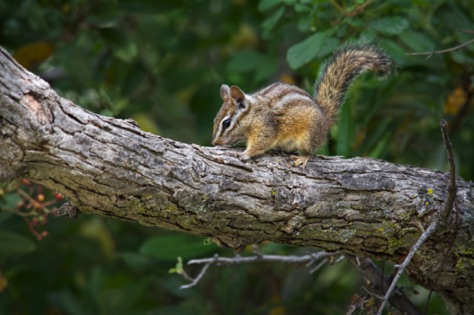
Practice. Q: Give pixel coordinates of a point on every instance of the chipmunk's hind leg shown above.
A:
(305, 150)
(300, 160)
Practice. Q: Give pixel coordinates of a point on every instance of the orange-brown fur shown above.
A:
(286, 118)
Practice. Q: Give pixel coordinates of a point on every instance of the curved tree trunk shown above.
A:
(359, 206)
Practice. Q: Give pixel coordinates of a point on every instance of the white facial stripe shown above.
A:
(219, 130)
(233, 121)
(291, 98)
(234, 116)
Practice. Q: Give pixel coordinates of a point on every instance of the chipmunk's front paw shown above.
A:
(244, 156)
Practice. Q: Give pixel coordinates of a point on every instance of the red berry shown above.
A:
(40, 197)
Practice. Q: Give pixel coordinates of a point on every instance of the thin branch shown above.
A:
(452, 189)
(376, 277)
(222, 261)
(401, 268)
(318, 266)
(452, 192)
(357, 10)
(463, 30)
(199, 276)
(329, 260)
(436, 52)
(380, 297)
(309, 259)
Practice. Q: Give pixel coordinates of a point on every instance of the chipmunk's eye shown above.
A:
(225, 124)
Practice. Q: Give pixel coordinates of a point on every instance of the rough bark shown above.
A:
(360, 206)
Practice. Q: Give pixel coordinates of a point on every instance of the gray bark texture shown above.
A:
(359, 206)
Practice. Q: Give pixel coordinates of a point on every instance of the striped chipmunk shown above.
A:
(286, 118)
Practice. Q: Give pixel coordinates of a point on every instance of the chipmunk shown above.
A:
(285, 117)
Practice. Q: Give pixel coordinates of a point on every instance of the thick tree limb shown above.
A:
(359, 206)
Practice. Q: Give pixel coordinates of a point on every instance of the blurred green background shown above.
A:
(162, 63)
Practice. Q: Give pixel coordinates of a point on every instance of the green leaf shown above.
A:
(346, 131)
(417, 41)
(178, 268)
(10, 200)
(303, 52)
(394, 50)
(266, 70)
(170, 247)
(73, 305)
(303, 8)
(356, 21)
(305, 23)
(137, 262)
(392, 25)
(14, 244)
(265, 5)
(317, 45)
(127, 52)
(269, 23)
(245, 60)
(375, 136)
(463, 58)
(368, 36)
(454, 17)
(380, 148)
(5, 215)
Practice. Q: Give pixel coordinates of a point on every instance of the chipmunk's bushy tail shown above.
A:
(339, 72)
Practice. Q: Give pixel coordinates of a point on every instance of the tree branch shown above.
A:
(109, 167)
(437, 52)
(377, 279)
(452, 189)
(237, 260)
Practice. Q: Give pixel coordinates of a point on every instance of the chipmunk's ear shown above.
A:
(238, 96)
(225, 92)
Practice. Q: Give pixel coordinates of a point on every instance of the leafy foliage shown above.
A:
(161, 63)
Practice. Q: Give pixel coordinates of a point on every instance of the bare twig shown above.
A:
(200, 275)
(323, 262)
(221, 261)
(463, 30)
(452, 189)
(318, 266)
(353, 12)
(376, 277)
(442, 215)
(437, 52)
(309, 259)
(401, 268)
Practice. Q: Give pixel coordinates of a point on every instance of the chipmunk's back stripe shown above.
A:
(269, 90)
(279, 90)
(293, 98)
